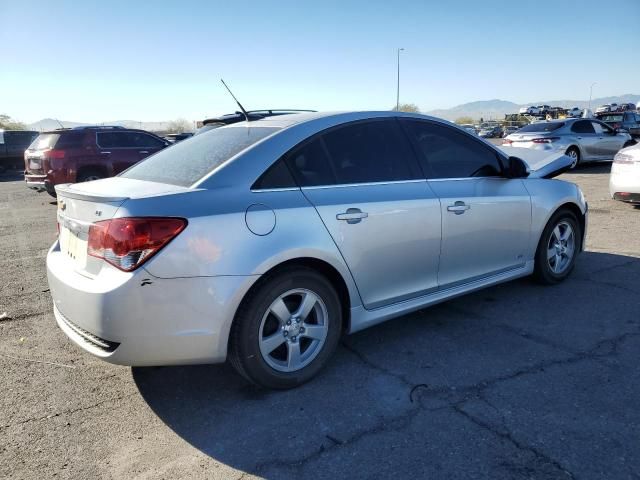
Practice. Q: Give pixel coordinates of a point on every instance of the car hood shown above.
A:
(542, 164)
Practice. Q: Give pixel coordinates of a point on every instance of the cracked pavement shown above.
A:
(518, 381)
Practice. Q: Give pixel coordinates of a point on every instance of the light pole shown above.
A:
(591, 93)
(398, 84)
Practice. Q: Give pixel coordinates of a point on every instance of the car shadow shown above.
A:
(371, 381)
(591, 168)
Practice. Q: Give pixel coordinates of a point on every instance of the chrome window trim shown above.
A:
(281, 189)
(364, 184)
(497, 177)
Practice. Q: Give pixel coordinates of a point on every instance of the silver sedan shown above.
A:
(263, 242)
(584, 140)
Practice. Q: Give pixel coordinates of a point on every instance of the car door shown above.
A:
(366, 185)
(609, 142)
(587, 140)
(486, 217)
(118, 148)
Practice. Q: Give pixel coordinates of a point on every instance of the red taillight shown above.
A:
(507, 142)
(54, 154)
(545, 140)
(126, 243)
(616, 125)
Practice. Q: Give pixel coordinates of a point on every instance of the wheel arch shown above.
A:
(573, 208)
(92, 168)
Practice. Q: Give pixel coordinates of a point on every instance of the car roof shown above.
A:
(284, 121)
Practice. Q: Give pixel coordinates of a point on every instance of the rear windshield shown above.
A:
(44, 141)
(188, 161)
(611, 118)
(541, 127)
(67, 139)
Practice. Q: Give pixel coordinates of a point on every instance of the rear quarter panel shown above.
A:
(218, 241)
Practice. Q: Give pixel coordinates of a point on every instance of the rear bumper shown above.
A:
(36, 182)
(139, 320)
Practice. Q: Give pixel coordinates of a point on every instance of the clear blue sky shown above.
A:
(97, 61)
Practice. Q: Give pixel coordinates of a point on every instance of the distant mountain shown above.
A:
(52, 124)
(496, 109)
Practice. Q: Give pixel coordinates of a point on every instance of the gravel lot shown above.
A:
(517, 381)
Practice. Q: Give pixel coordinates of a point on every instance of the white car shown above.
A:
(530, 110)
(607, 108)
(574, 112)
(624, 181)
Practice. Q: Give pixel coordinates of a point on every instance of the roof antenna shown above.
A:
(244, 112)
(59, 123)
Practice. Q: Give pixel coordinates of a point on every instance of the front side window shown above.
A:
(144, 140)
(582, 126)
(116, 140)
(448, 153)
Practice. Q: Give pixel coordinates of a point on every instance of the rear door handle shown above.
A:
(143, 151)
(352, 215)
(458, 208)
(105, 153)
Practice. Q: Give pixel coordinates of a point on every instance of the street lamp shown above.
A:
(591, 93)
(398, 84)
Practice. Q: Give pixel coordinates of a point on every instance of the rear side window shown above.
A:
(187, 162)
(449, 153)
(362, 152)
(376, 151)
(70, 140)
(276, 176)
(582, 126)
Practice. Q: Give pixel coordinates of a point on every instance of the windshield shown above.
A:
(188, 161)
(541, 127)
(611, 118)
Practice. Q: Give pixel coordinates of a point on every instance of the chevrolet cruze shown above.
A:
(263, 242)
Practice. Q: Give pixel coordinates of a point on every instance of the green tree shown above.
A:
(407, 107)
(464, 120)
(7, 123)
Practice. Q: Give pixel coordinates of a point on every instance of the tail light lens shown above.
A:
(507, 142)
(54, 154)
(126, 243)
(545, 140)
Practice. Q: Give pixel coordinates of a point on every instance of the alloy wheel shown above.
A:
(293, 330)
(561, 247)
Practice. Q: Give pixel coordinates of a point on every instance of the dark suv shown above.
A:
(629, 121)
(85, 153)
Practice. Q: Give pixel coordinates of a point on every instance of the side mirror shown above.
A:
(517, 168)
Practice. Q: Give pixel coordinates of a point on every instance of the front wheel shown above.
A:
(558, 248)
(287, 329)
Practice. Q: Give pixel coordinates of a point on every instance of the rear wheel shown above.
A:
(574, 154)
(558, 248)
(287, 329)
(90, 175)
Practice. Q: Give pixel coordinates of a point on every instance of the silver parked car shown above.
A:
(263, 242)
(584, 140)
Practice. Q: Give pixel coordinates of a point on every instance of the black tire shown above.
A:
(575, 154)
(244, 341)
(543, 271)
(89, 175)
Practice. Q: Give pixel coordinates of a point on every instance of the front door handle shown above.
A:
(105, 153)
(143, 151)
(352, 215)
(458, 208)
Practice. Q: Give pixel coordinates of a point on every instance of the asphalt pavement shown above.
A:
(518, 381)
